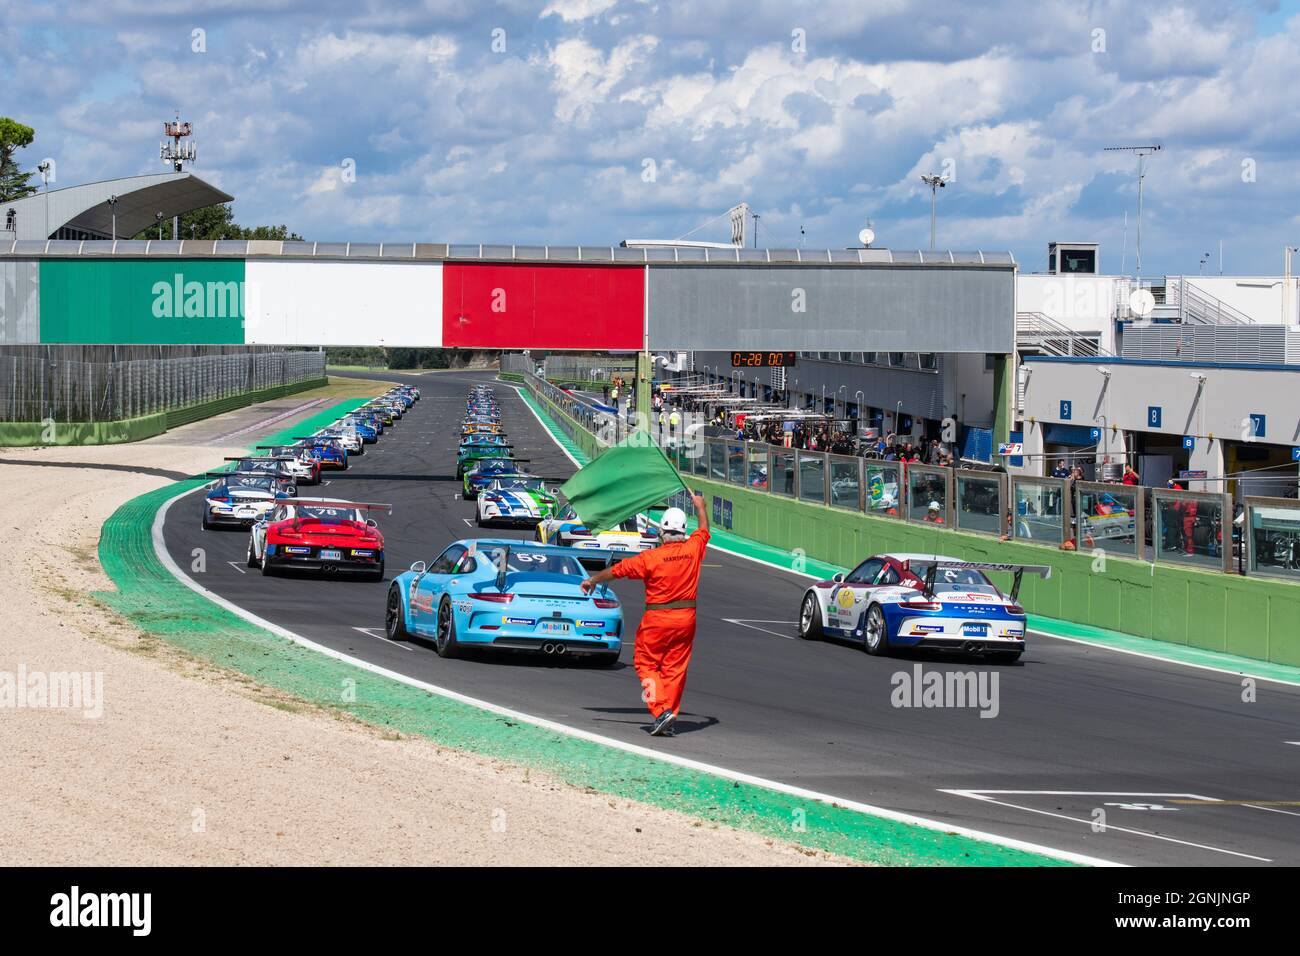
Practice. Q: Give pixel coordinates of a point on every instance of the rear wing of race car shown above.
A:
(260, 458)
(338, 502)
(1043, 571)
(504, 458)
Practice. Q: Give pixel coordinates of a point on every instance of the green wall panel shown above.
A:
(142, 301)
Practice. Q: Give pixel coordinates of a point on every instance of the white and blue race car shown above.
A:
(240, 498)
(515, 500)
(919, 600)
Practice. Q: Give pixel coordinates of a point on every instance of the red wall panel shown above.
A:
(509, 306)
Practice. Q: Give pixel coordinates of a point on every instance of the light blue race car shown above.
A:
(511, 595)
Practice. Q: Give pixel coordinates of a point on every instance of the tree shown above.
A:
(217, 222)
(13, 181)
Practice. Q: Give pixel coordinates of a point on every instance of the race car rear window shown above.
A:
(954, 579)
(340, 514)
(250, 482)
(538, 562)
(519, 484)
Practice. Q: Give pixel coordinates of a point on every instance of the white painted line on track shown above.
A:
(236, 565)
(987, 796)
(370, 632)
(1164, 660)
(160, 549)
(1289, 813)
(753, 625)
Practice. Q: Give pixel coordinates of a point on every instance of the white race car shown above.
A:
(297, 462)
(515, 499)
(566, 528)
(920, 600)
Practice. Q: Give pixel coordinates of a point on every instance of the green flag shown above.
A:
(628, 478)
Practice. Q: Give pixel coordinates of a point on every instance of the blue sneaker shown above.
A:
(663, 725)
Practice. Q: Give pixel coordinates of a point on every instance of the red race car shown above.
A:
(319, 534)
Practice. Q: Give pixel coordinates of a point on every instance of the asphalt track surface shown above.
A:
(1079, 730)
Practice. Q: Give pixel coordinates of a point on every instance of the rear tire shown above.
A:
(445, 645)
(207, 525)
(378, 573)
(810, 624)
(394, 619)
(876, 630)
(1005, 657)
(252, 557)
(604, 660)
(268, 569)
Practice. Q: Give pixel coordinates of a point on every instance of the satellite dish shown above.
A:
(867, 237)
(1141, 302)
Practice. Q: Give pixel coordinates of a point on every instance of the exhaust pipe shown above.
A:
(548, 648)
(559, 648)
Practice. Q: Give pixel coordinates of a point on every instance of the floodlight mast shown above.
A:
(1142, 152)
(935, 182)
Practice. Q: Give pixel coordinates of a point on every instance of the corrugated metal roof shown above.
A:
(459, 252)
(86, 207)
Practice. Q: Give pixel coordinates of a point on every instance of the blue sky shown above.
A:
(592, 121)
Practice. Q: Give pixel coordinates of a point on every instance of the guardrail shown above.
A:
(1161, 591)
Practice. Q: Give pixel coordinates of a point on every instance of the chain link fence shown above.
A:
(34, 388)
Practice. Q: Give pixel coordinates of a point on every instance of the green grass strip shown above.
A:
(162, 606)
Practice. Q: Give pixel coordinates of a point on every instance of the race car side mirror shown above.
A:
(419, 567)
(372, 522)
(838, 579)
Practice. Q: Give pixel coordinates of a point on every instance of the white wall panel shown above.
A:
(343, 303)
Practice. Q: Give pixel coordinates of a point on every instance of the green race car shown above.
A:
(470, 454)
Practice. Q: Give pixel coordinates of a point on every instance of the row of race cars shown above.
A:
(517, 595)
(260, 494)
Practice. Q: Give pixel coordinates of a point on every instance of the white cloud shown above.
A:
(574, 11)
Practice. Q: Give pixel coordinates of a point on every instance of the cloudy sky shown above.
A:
(592, 121)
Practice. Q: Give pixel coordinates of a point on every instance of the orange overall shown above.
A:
(666, 636)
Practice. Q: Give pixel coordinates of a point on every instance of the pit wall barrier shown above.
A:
(32, 434)
(1249, 617)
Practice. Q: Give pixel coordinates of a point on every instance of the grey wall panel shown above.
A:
(901, 308)
(20, 302)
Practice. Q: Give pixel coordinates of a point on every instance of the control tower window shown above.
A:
(1079, 260)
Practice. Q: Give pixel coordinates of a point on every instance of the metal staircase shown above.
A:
(1197, 308)
(1037, 333)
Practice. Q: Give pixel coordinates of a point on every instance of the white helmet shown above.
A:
(934, 506)
(674, 521)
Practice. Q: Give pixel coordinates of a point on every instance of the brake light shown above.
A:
(1015, 609)
(494, 598)
(222, 498)
(923, 606)
(606, 603)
